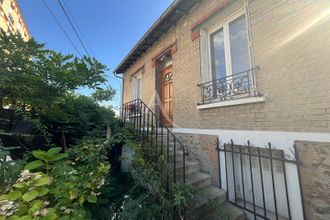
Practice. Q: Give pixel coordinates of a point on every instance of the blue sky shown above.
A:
(110, 28)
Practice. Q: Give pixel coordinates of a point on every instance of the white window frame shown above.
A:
(134, 89)
(206, 44)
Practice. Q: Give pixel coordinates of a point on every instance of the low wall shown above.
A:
(315, 178)
(203, 149)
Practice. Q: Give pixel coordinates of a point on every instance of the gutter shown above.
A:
(171, 8)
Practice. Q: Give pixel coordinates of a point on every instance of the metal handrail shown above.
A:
(135, 112)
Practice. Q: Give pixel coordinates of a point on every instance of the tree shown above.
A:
(103, 94)
(32, 75)
(40, 83)
(78, 116)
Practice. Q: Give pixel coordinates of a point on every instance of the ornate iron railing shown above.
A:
(238, 85)
(157, 139)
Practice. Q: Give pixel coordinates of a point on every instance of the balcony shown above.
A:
(237, 86)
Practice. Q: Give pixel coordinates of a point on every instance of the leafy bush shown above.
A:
(9, 170)
(150, 198)
(53, 188)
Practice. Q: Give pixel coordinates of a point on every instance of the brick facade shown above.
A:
(290, 43)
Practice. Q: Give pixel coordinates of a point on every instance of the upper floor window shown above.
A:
(228, 48)
(137, 86)
(227, 69)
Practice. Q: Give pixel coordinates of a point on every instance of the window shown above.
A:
(137, 87)
(228, 48)
(226, 63)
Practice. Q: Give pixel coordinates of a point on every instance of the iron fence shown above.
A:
(256, 179)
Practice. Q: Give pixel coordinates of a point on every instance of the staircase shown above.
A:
(208, 202)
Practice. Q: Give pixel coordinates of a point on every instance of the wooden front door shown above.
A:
(166, 108)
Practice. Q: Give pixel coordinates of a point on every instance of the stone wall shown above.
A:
(315, 178)
(202, 148)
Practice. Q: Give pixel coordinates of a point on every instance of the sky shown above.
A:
(109, 28)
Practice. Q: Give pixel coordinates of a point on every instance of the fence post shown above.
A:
(298, 162)
(219, 166)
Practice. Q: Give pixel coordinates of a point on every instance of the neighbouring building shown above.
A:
(251, 73)
(12, 20)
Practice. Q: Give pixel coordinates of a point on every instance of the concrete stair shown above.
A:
(209, 202)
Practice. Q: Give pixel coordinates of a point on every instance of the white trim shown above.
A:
(241, 101)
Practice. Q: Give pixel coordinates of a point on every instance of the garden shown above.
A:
(60, 150)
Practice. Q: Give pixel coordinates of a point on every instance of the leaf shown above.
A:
(34, 165)
(81, 200)
(22, 210)
(20, 185)
(42, 181)
(36, 205)
(73, 194)
(54, 151)
(14, 217)
(14, 195)
(92, 199)
(42, 191)
(26, 217)
(29, 196)
(41, 155)
(51, 214)
(58, 157)
(3, 197)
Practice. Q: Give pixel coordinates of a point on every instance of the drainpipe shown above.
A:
(122, 90)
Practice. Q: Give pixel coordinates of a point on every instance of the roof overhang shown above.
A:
(169, 18)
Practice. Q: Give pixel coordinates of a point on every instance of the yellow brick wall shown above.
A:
(5, 24)
(290, 43)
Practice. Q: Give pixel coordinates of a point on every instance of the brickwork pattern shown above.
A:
(290, 41)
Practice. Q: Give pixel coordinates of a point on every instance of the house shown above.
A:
(12, 20)
(249, 73)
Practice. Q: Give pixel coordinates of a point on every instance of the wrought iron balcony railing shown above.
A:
(238, 85)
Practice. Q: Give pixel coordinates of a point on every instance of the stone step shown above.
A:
(200, 205)
(198, 180)
(190, 167)
(226, 211)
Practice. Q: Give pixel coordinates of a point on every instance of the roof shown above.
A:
(168, 19)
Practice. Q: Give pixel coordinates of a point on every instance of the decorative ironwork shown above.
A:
(154, 135)
(251, 173)
(168, 77)
(238, 85)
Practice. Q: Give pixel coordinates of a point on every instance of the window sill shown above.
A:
(232, 103)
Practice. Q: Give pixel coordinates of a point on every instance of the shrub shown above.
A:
(56, 185)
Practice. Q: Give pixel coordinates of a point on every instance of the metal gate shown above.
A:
(256, 180)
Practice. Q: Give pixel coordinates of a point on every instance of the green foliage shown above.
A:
(35, 76)
(103, 94)
(154, 201)
(77, 117)
(39, 84)
(221, 212)
(60, 184)
(9, 170)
